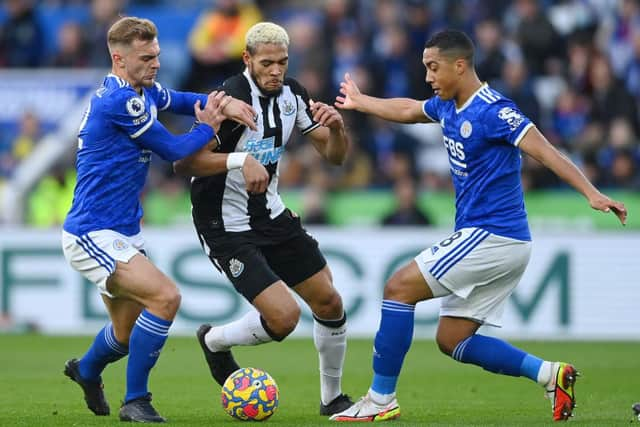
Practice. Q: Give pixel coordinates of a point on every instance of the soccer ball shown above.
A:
(250, 394)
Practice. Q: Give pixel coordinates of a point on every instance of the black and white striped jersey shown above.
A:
(221, 201)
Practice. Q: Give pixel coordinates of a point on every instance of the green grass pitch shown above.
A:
(433, 389)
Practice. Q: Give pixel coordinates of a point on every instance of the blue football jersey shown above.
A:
(112, 163)
(482, 140)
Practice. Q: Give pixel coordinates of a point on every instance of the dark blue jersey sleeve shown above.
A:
(175, 101)
(430, 108)
(175, 147)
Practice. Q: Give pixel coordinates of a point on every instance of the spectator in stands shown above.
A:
(18, 147)
(21, 36)
(407, 211)
(50, 201)
(28, 136)
(490, 58)
(610, 99)
(538, 39)
(387, 145)
(569, 117)
(624, 170)
(104, 13)
(216, 43)
(72, 51)
(517, 86)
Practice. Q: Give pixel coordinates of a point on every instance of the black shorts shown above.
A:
(253, 260)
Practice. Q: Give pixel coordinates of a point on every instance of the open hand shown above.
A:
(605, 204)
(350, 93)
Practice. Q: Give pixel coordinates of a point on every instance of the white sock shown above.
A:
(545, 374)
(381, 399)
(247, 330)
(331, 344)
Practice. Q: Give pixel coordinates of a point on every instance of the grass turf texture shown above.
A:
(433, 389)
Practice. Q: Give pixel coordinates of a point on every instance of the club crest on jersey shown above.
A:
(236, 267)
(120, 245)
(466, 129)
(287, 108)
(135, 106)
(512, 117)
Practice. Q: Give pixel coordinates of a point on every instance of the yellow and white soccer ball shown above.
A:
(250, 394)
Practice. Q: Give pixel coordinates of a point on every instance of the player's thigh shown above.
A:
(320, 295)
(408, 285)
(298, 259)
(247, 269)
(140, 280)
(278, 307)
(95, 255)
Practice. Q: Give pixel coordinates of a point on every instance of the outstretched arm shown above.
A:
(402, 110)
(537, 146)
(331, 138)
(206, 163)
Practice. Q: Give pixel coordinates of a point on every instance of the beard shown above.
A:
(267, 92)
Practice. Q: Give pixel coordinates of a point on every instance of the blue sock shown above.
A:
(531, 367)
(105, 349)
(147, 338)
(391, 345)
(492, 354)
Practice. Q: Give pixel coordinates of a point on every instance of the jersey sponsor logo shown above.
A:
(120, 245)
(236, 267)
(263, 150)
(135, 106)
(434, 249)
(288, 108)
(512, 117)
(456, 151)
(466, 129)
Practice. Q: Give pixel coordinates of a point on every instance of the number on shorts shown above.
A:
(450, 239)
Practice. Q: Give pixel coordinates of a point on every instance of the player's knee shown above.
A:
(281, 325)
(445, 347)
(328, 306)
(446, 344)
(168, 302)
(398, 288)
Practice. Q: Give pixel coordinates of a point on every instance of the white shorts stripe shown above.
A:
(99, 259)
(95, 255)
(442, 262)
(99, 252)
(459, 253)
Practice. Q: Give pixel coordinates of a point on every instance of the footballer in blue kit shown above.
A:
(101, 235)
(475, 269)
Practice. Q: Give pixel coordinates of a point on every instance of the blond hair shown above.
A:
(125, 30)
(266, 32)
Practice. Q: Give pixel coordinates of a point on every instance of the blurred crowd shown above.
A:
(572, 66)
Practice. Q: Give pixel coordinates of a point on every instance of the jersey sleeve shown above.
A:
(128, 112)
(430, 108)
(503, 121)
(175, 101)
(304, 118)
